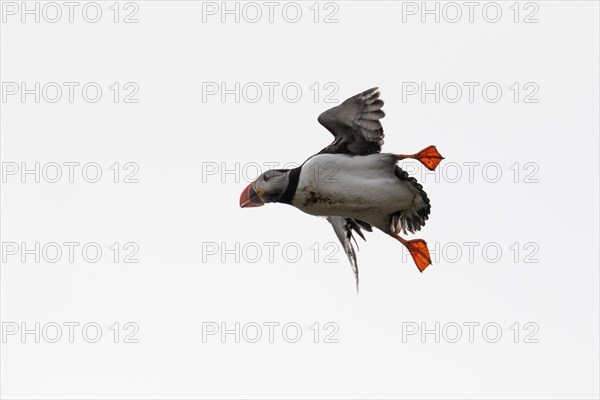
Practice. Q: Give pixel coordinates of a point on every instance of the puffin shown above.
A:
(352, 183)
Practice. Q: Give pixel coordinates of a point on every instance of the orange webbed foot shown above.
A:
(429, 157)
(418, 250)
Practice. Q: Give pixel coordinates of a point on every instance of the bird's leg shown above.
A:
(429, 157)
(418, 250)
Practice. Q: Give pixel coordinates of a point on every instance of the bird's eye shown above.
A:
(266, 177)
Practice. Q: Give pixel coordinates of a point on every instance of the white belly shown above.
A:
(361, 187)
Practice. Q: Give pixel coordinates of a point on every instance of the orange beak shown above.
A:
(250, 198)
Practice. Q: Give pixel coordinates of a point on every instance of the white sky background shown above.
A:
(179, 210)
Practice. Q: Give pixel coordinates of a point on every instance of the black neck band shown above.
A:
(290, 191)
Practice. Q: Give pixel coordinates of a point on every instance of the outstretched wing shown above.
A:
(343, 228)
(355, 124)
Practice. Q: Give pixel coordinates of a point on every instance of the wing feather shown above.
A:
(343, 228)
(355, 124)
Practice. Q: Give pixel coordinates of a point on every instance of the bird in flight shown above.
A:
(353, 184)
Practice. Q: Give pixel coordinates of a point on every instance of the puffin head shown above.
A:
(267, 188)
